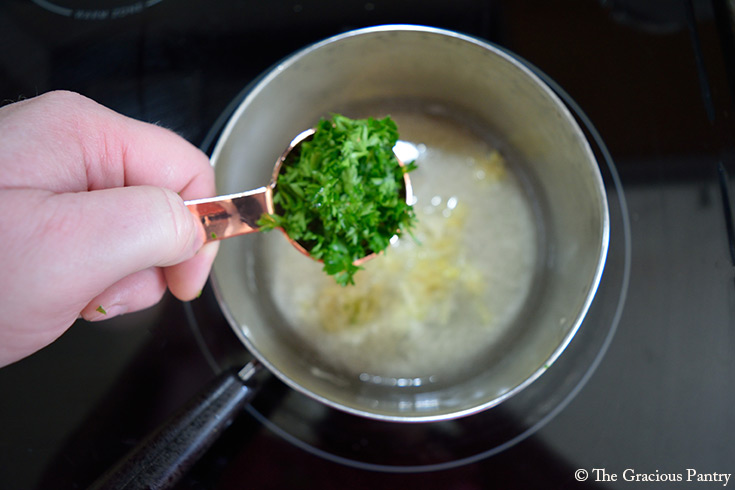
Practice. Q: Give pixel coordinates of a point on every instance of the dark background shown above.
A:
(656, 80)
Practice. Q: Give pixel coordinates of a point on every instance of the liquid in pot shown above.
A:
(436, 304)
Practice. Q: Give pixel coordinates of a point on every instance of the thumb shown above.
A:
(68, 249)
(119, 231)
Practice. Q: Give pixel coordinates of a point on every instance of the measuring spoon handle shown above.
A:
(233, 214)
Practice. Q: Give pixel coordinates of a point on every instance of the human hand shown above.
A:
(92, 218)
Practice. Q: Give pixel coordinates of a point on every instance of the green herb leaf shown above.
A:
(342, 196)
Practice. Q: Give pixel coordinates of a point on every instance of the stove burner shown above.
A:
(92, 10)
(414, 448)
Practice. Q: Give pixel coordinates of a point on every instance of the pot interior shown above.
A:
(512, 235)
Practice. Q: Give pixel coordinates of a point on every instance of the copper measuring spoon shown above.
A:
(237, 214)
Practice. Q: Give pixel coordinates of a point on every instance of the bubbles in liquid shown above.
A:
(436, 302)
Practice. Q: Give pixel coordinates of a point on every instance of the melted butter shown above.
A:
(432, 305)
(411, 282)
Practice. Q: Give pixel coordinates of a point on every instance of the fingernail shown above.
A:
(207, 253)
(210, 250)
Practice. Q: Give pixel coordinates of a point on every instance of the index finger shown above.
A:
(80, 145)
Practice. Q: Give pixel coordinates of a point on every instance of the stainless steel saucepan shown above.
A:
(429, 71)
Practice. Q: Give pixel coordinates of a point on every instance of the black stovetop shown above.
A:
(652, 383)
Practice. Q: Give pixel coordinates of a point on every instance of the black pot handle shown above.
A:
(168, 453)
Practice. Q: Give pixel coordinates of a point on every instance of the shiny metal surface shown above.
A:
(473, 80)
(237, 214)
(233, 214)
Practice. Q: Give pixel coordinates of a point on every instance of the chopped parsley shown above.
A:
(342, 195)
(100, 309)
